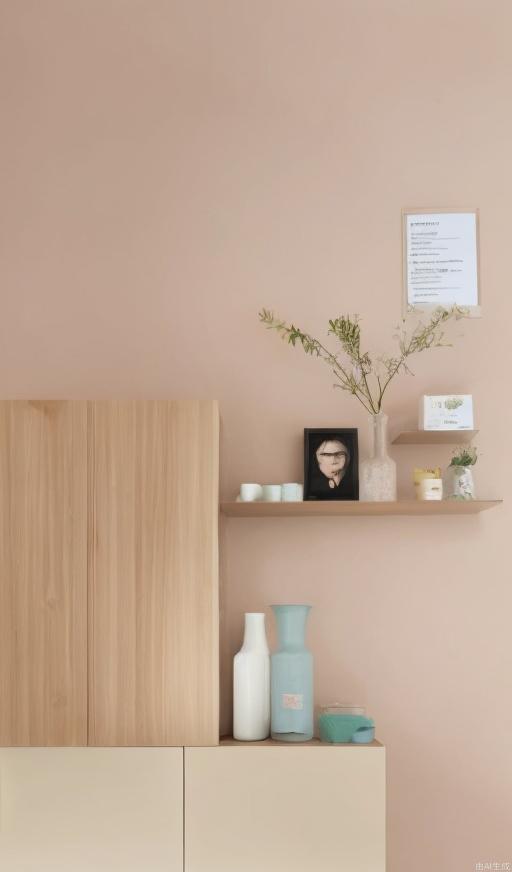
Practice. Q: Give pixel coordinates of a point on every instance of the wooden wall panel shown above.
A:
(43, 573)
(153, 575)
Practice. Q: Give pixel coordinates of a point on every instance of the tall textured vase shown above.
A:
(378, 474)
(292, 677)
(251, 682)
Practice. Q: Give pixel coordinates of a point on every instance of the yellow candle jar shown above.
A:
(423, 474)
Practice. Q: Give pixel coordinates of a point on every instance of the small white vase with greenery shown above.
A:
(367, 378)
(461, 483)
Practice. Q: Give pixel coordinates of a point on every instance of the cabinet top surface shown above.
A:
(230, 742)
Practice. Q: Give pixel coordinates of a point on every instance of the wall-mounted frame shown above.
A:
(441, 259)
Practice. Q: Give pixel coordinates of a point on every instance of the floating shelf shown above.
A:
(435, 437)
(337, 508)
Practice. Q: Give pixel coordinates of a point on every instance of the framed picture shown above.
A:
(441, 259)
(331, 469)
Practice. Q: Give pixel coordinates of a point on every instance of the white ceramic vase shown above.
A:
(251, 683)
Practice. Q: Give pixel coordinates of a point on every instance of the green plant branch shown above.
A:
(464, 455)
(422, 338)
(314, 347)
(353, 376)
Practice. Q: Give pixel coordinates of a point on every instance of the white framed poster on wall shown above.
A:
(441, 259)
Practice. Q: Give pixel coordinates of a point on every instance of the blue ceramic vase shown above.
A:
(291, 677)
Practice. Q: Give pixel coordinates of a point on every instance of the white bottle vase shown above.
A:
(251, 683)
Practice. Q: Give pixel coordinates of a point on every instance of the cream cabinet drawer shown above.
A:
(91, 809)
(269, 808)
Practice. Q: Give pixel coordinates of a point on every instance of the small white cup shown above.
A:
(249, 493)
(272, 493)
(292, 492)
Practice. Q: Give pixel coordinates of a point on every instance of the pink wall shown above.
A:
(170, 166)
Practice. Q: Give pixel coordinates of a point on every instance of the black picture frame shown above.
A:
(317, 485)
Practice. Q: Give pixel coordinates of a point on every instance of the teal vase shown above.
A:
(291, 677)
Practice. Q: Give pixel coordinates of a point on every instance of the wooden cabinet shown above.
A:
(43, 573)
(153, 574)
(108, 573)
(84, 809)
(274, 807)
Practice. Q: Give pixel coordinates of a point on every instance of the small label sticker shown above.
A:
(293, 701)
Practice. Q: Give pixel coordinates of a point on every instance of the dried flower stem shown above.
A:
(355, 372)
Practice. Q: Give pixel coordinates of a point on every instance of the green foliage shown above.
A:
(453, 403)
(365, 378)
(464, 455)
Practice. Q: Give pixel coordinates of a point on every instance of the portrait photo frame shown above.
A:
(331, 470)
(441, 259)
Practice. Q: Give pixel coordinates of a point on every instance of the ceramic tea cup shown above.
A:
(250, 492)
(272, 493)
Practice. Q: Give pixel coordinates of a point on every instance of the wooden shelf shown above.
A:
(348, 507)
(435, 437)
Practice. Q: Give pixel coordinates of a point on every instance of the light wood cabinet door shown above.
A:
(272, 807)
(43, 573)
(91, 810)
(153, 566)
